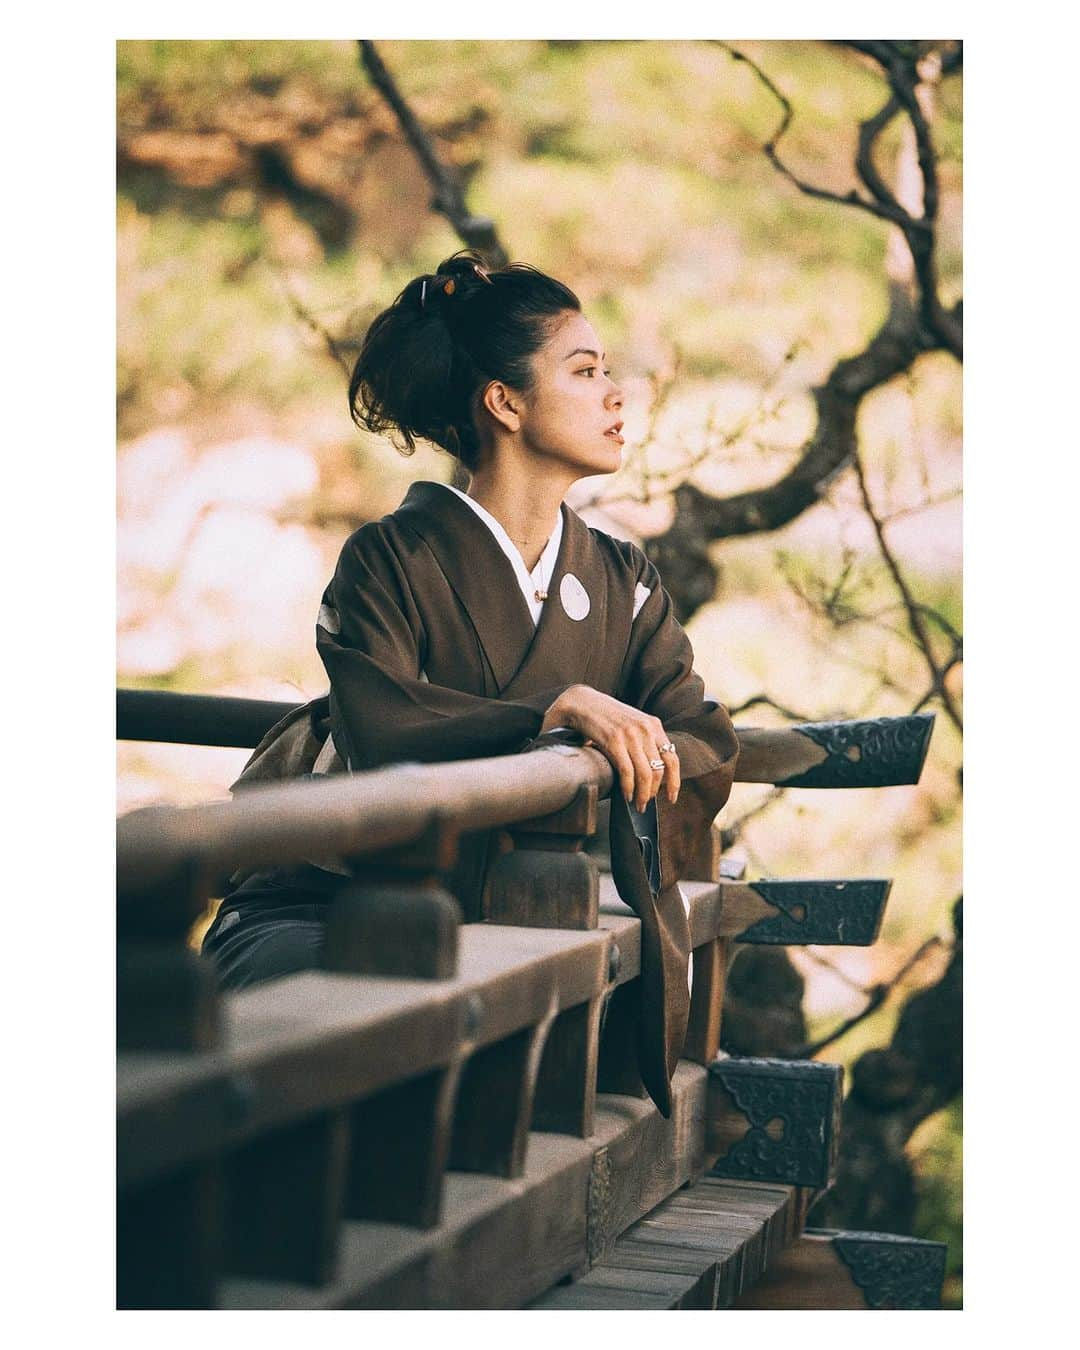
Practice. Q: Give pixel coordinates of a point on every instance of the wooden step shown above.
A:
(699, 1249)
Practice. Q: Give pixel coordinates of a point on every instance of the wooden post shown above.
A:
(169, 1241)
(395, 918)
(617, 1070)
(547, 881)
(711, 959)
(495, 1103)
(711, 962)
(567, 1080)
(167, 998)
(285, 1194)
(400, 1150)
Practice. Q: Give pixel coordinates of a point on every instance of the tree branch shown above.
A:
(886, 207)
(915, 612)
(681, 554)
(474, 231)
(875, 997)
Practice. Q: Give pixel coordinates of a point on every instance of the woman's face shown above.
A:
(573, 412)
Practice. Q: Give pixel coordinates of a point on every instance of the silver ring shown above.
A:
(667, 749)
(656, 763)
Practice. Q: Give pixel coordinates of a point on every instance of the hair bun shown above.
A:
(421, 379)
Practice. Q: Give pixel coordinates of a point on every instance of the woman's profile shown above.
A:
(472, 624)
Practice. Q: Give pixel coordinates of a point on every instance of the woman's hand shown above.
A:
(628, 737)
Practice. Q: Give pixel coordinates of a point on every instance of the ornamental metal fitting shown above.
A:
(799, 1096)
(892, 1271)
(826, 913)
(878, 752)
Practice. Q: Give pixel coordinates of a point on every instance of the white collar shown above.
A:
(530, 582)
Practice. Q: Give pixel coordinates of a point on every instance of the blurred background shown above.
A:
(793, 418)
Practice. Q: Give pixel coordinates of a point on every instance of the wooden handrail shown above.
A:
(195, 719)
(347, 815)
(873, 752)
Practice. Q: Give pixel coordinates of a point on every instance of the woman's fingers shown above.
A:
(643, 774)
(673, 774)
(623, 766)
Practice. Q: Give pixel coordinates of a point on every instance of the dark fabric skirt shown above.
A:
(274, 924)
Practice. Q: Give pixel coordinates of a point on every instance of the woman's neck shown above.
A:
(525, 505)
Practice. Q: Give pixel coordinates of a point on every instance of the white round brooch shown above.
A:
(574, 597)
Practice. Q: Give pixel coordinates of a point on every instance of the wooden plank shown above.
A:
(570, 1199)
(285, 1194)
(877, 752)
(803, 912)
(821, 912)
(774, 1120)
(852, 1270)
(317, 1040)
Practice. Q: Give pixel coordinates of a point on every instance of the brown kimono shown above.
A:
(432, 655)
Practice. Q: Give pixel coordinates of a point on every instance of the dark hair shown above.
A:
(426, 358)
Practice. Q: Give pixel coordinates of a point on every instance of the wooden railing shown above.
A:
(449, 1115)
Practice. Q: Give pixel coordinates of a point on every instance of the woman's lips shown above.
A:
(614, 433)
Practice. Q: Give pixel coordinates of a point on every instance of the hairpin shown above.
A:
(482, 274)
(423, 292)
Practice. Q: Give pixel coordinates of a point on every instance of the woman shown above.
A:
(473, 624)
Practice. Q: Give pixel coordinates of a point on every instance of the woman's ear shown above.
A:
(503, 403)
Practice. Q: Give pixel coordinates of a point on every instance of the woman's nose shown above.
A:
(614, 397)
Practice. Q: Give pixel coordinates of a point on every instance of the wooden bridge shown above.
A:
(450, 1114)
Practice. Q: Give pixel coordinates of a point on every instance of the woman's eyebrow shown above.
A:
(583, 351)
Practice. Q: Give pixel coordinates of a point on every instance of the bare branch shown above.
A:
(731, 834)
(331, 343)
(869, 131)
(884, 206)
(915, 612)
(906, 69)
(475, 231)
(682, 553)
(875, 997)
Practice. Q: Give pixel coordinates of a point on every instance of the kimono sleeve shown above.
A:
(370, 636)
(659, 678)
